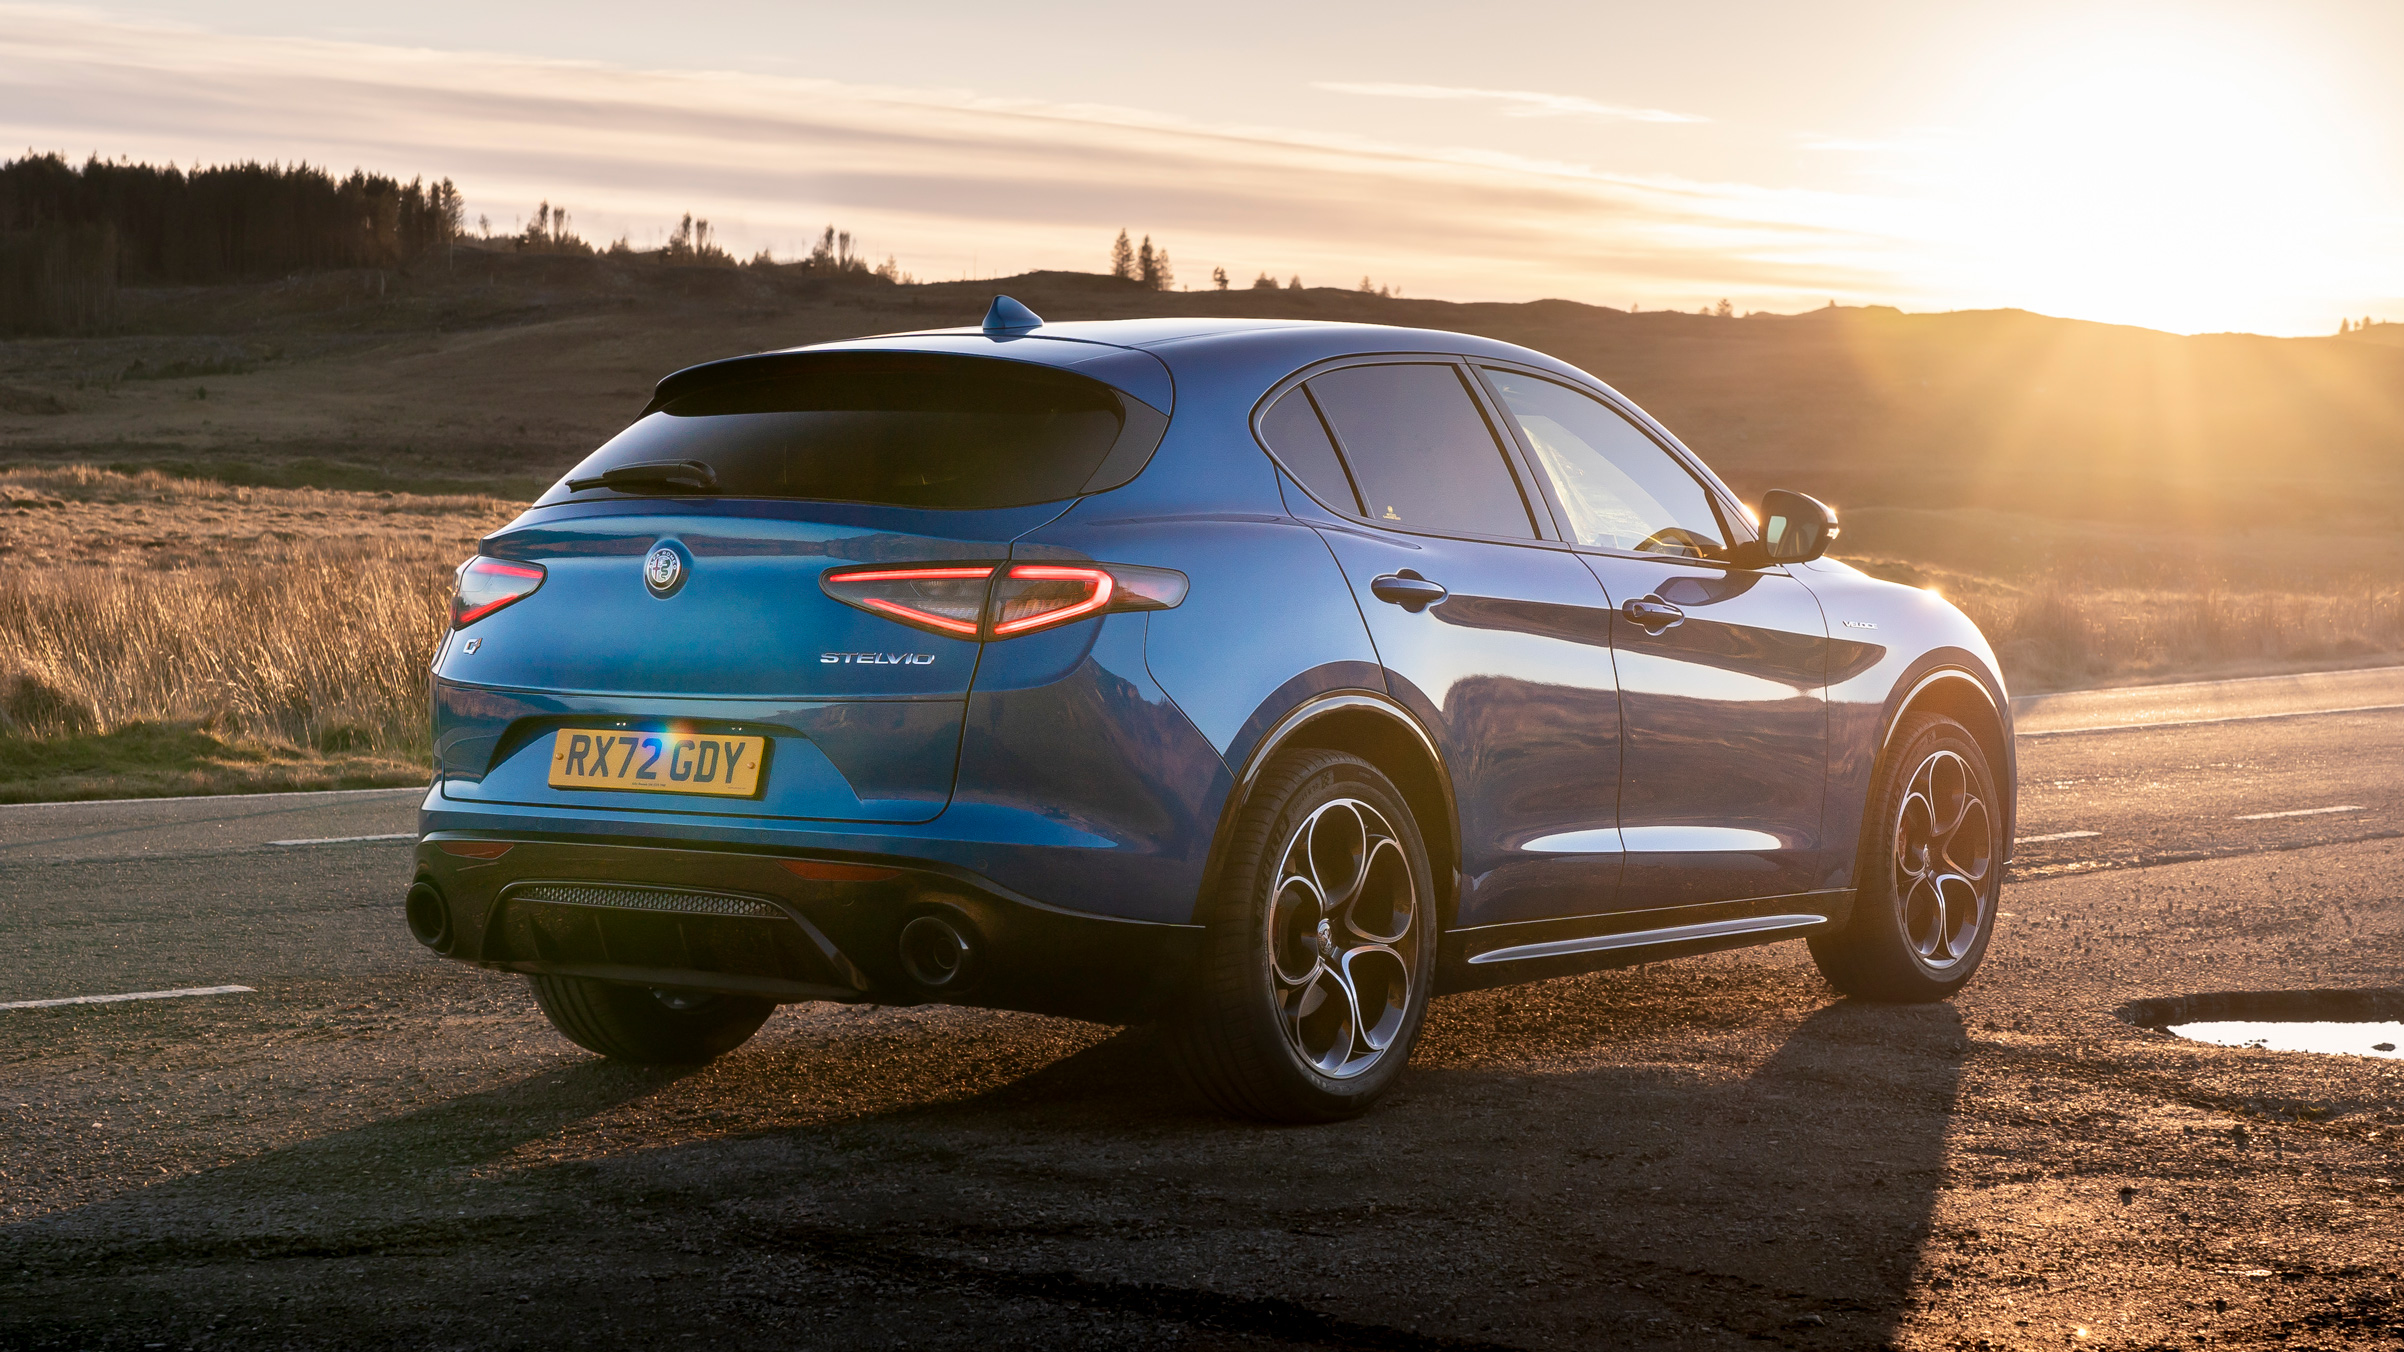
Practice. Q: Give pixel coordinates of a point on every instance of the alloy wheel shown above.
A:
(1342, 952)
(1944, 853)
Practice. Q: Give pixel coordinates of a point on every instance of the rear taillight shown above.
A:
(990, 601)
(946, 600)
(486, 585)
(1034, 596)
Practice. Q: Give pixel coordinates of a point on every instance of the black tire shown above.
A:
(647, 1027)
(1931, 852)
(1246, 1036)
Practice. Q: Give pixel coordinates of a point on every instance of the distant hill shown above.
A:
(478, 366)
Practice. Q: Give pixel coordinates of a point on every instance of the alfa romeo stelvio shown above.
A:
(1259, 679)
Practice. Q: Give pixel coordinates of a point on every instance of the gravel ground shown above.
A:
(1705, 1153)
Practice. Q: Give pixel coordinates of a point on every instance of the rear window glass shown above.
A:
(940, 432)
(1420, 450)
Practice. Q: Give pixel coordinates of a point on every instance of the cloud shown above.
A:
(1515, 102)
(950, 181)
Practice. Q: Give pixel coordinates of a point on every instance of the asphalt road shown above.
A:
(377, 1148)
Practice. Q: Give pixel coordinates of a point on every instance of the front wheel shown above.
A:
(645, 1026)
(1319, 947)
(1930, 871)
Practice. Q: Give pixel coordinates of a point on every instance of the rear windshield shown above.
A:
(902, 431)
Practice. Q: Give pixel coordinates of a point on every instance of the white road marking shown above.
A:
(346, 840)
(2296, 812)
(2057, 835)
(137, 995)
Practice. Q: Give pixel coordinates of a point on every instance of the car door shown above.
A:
(1496, 638)
(1722, 670)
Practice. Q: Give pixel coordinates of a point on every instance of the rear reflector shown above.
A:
(990, 601)
(486, 585)
(475, 849)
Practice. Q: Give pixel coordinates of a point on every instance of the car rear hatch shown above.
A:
(769, 596)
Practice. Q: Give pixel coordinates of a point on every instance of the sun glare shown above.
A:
(2165, 175)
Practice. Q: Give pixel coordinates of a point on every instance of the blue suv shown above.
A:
(1260, 679)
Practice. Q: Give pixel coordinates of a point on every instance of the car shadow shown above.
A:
(1603, 1191)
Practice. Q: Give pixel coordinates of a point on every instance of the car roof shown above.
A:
(1187, 336)
(1256, 352)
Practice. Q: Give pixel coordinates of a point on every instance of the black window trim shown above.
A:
(1546, 526)
(1734, 522)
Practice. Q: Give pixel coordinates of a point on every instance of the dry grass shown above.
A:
(2071, 603)
(77, 514)
(2057, 637)
(2066, 629)
(193, 636)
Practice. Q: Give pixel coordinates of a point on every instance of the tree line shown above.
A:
(233, 221)
(70, 235)
(1150, 266)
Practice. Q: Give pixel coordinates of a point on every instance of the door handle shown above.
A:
(1652, 614)
(1408, 590)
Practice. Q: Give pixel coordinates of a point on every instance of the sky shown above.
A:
(2191, 167)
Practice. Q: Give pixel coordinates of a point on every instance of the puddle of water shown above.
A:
(2350, 1039)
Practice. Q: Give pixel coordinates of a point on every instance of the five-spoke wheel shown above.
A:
(1340, 917)
(1318, 949)
(1944, 846)
(1924, 906)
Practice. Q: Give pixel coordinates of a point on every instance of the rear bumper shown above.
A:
(787, 925)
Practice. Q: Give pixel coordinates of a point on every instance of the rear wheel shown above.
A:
(645, 1026)
(1929, 871)
(1319, 947)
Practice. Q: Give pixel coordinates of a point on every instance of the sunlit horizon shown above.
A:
(2190, 172)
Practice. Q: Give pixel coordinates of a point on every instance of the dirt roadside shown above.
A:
(1709, 1153)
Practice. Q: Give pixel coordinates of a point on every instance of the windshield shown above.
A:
(906, 430)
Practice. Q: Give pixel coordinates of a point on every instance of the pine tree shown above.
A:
(1724, 310)
(1218, 279)
(1157, 275)
(1264, 282)
(1122, 257)
(1294, 283)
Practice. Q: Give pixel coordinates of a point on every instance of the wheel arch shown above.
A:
(1373, 727)
(1961, 693)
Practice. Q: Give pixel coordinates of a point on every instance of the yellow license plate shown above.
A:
(657, 762)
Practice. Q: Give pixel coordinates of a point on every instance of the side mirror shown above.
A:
(1795, 528)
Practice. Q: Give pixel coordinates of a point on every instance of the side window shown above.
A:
(1293, 430)
(1420, 451)
(1619, 487)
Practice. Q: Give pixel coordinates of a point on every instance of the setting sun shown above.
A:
(2174, 177)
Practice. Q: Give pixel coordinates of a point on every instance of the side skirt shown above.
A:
(1507, 955)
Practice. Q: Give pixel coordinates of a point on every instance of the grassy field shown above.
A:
(2072, 604)
(193, 637)
(245, 501)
